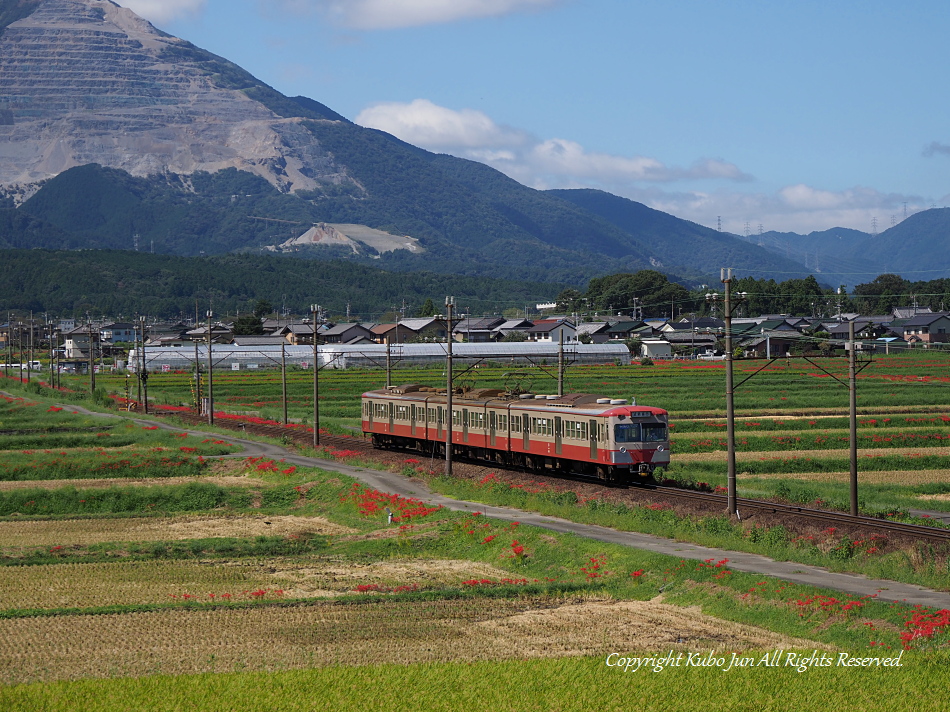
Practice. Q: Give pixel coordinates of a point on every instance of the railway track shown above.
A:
(713, 501)
(916, 531)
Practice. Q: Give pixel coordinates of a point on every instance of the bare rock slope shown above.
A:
(87, 81)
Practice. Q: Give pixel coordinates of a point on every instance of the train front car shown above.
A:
(579, 433)
(639, 439)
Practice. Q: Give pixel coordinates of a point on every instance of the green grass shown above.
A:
(559, 685)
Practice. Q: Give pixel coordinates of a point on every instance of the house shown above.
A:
(220, 334)
(346, 334)
(427, 329)
(391, 333)
(655, 348)
(863, 329)
(478, 330)
(552, 330)
(927, 328)
(296, 333)
(622, 330)
(116, 332)
(595, 331)
(77, 341)
(909, 312)
(512, 326)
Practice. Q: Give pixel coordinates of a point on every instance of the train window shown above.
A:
(381, 410)
(602, 432)
(516, 424)
(542, 426)
(477, 420)
(456, 417)
(577, 431)
(402, 412)
(654, 432)
(431, 415)
(502, 422)
(627, 433)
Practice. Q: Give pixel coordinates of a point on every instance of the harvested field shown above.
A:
(150, 582)
(814, 454)
(95, 531)
(223, 481)
(284, 637)
(869, 477)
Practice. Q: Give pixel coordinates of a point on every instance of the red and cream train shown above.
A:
(576, 432)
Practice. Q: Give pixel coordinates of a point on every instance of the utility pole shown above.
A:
(853, 415)
(314, 311)
(560, 363)
(92, 361)
(143, 374)
(210, 376)
(29, 361)
(449, 305)
(389, 361)
(138, 373)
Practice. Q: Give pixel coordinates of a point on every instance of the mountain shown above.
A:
(113, 133)
(917, 247)
(679, 245)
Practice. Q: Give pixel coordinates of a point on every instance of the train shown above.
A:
(575, 433)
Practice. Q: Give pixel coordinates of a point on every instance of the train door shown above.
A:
(557, 434)
(492, 424)
(372, 407)
(412, 418)
(440, 419)
(592, 426)
(392, 415)
(464, 425)
(526, 432)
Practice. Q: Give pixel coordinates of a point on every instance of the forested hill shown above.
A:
(115, 283)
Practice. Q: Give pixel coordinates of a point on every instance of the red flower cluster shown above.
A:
(923, 625)
(370, 502)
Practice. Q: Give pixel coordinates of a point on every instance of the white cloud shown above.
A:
(561, 163)
(390, 14)
(798, 208)
(536, 162)
(163, 10)
(434, 127)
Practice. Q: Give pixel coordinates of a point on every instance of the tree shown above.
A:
(248, 325)
(263, 308)
(427, 309)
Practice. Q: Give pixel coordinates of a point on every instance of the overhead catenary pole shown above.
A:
(210, 376)
(283, 379)
(853, 417)
(449, 305)
(314, 310)
(731, 496)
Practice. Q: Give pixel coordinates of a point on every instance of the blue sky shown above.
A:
(793, 116)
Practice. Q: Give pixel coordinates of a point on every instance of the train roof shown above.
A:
(578, 403)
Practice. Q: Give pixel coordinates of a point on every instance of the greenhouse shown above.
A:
(240, 358)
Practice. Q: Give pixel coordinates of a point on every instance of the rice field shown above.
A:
(236, 580)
